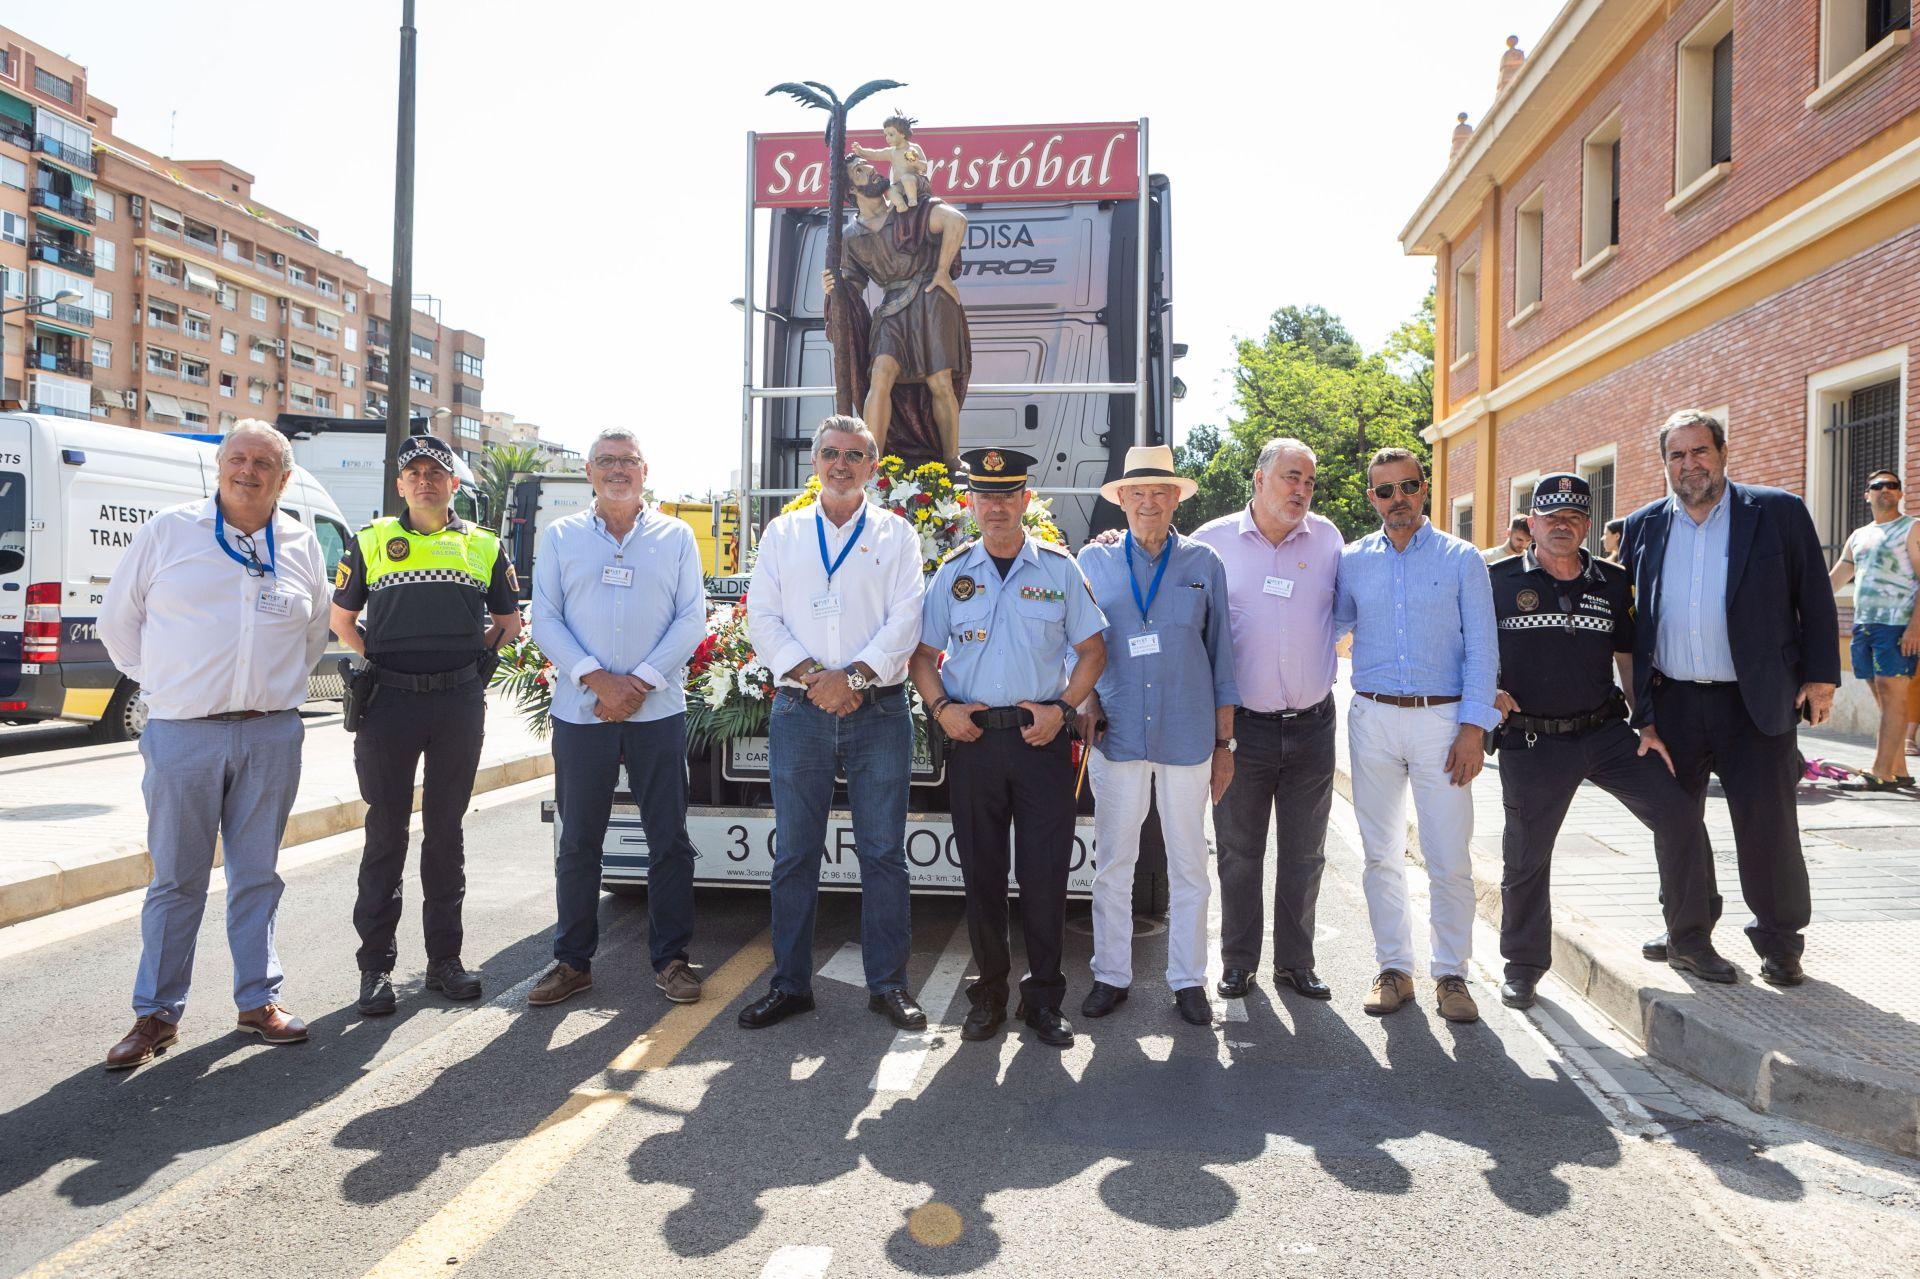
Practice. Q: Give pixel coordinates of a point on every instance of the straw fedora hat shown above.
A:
(1149, 464)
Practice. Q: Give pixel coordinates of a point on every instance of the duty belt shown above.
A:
(433, 683)
(1535, 726)
(1003, 717)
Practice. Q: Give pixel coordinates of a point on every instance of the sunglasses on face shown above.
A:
(1877, 485)
(828, 453)
(1409, 487)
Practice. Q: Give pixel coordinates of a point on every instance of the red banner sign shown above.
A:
(1015, 162)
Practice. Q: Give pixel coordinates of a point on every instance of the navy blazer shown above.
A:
(1781, 619)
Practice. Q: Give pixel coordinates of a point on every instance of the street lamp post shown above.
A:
(64, 295)
(400, 322)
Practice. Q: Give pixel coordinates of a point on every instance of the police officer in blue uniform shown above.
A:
(1565, 621)
(1007, 611)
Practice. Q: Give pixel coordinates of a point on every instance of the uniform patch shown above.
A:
(1042, 593)
(398, 548)
(1528, 600)
(513, 579)
(963, 588)
(340, 576)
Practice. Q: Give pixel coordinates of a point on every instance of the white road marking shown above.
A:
(798, 1261)
(899, 1070)
(847, 966)
(1233, 1010)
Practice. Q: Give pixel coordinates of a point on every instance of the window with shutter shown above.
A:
(1613, 195)
(1884, 17)
(1721, 147)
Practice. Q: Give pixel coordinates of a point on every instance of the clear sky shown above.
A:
(580, 164)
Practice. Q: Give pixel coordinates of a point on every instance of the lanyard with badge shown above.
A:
(827, 603)
(1149, 642)
(272, 599)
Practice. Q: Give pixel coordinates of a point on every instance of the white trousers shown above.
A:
(1121, 792)
(1392, 748)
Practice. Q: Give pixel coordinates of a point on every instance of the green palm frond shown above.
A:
(805, 96)
(870, 88)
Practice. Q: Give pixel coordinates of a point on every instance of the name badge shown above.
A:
(827, 605)
(614, 575)
(277, 603)
(1142, 645)
(1281, 586)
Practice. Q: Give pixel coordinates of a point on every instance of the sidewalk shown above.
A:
(1841, 1051)
(73, 826)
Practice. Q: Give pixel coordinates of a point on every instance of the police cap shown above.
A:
(427, 446)
(1562, 492)
(997, 470)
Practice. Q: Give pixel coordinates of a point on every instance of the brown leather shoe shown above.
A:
(1390, 989)
(564, 982)
(274, 1024)
(1455, 1003)
(150, 1035)
(678, 983)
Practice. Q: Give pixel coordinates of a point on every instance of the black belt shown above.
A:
(1003, 717)
(1538, 726)
(1321, 708)
(228, 717)
(433, 683)
(1661, 677)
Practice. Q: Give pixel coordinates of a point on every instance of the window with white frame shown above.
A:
(349, 374)
(13, 173)
(1466, 308)
(257, 353)
(1703, 100)
(13, 228)
(1600, 191)
(1596, 467)
(1463, 518)
(258, 307)
(102, 304)
(228, 384)
(465, 362)
(229, 342)
(467, 426)
(350, 338)
(1856, 424)
(164, 218)
(13, 283)
(1519, 497)
(70, 134)
(229, 297)
(53, 86)
(103, 204)
(1528, 252)
(352, 300)
(193, 412)
(1858, 35)
(105, 254)
(102, 354)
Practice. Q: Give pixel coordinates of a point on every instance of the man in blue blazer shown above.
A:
(1738, 639)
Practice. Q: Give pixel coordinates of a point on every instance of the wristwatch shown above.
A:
(1069, 716)
(856, 681)
(1227, 744)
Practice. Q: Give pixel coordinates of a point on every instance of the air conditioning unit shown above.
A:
(131, 399)
(279, 346)
(280, 386)
(280, 259)
(225, 236)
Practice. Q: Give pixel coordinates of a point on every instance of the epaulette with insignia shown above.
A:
(1055, 547)
(959, 550)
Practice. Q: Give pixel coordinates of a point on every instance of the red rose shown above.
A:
(883, 484)
(925, 499)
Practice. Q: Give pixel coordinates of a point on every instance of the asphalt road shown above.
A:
(615, 1136)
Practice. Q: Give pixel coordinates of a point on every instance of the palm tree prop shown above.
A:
(839, 320)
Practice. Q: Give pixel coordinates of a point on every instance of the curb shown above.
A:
(1864, 1102)
(78, 878)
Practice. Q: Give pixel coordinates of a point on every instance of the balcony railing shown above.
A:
(70, 205)
(198, 332)
(61, 410)
(71, 155)
(299, 323)
(68, 312)
(209, 239)
(163, 370)
(18, 134)
(196, 376)
(162, 322)
(60, 364)
(61, 255)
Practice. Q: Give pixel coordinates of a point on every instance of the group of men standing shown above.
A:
(1199, 669)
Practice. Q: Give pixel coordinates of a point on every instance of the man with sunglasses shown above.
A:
(1879, 560)
(834, 612)
(1566, 622)
(439, 595)
(1420, 608)
(218, 611)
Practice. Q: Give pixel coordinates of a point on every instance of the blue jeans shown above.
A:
(586, 767)
(874, 747)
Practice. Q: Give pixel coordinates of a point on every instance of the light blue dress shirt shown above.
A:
(1422, 620)
(1007, 641)
(1160, 706)
(1692, 642)
(585, 621)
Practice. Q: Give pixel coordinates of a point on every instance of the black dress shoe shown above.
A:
(1047, 1025)
(1304, 980)
(1191, 1001)
(376, 994)
(984, 1021)
(1234, 983)
(1102, 999)
(1655, 949)
(1517, 992)
(1705, 963)
(452, 980)
(1782, 972)
(775, 1005)
(900, 1009)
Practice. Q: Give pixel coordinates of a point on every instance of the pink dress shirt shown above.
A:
(1282, 638)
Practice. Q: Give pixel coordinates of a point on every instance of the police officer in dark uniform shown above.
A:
(440, 598)
(1562, 614)
(1007, 610)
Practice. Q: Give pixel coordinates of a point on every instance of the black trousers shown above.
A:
(1281, 768)
(400, 727)
(1538, 782)
(999, 781)
(1708, 731)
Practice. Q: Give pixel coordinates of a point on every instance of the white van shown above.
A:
(72, 495)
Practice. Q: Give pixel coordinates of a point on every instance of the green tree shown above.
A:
(1306, 377)
(498, 466)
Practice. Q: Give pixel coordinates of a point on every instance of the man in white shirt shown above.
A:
(218, 612)
(834, 612)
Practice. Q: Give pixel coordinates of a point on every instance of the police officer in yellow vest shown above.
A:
(430, 584)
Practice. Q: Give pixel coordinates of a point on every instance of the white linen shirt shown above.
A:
(879, 588)
(184, 621)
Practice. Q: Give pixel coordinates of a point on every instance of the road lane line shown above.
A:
(459, 1231)
(899, 1070)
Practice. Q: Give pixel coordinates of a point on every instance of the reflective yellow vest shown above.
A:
(426, 591)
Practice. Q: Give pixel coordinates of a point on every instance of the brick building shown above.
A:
(1681, 203)
(196, 304)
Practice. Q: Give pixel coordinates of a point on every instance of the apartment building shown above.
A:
(1681, 203)
(447, 369)
(506, 429)
(188, 303)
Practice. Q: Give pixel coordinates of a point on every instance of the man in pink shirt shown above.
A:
(1282, 561)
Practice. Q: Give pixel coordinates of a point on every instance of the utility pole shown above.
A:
(400, 328)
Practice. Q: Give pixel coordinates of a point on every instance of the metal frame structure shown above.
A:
(750, 393)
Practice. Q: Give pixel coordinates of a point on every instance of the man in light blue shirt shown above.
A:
(1691, 640)
(1425, 660)
(618, 608)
